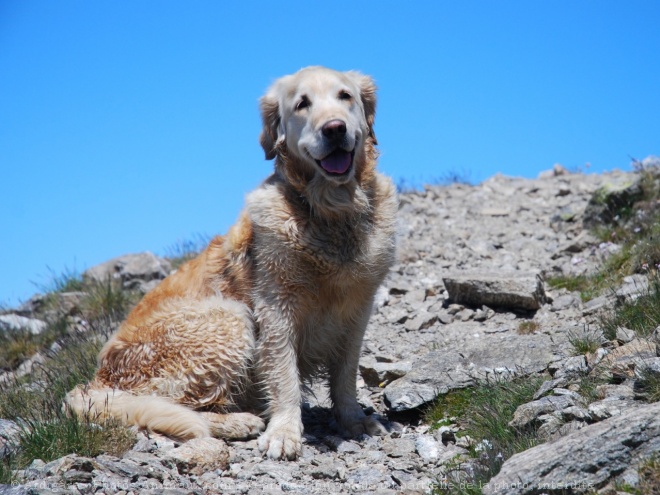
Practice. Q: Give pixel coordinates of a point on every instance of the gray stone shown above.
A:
(428, 448)
(625, 335)
(13, 323)
(421, 321)
(438, 372)
(583, 460)
(9, 436)
(607, 202)
(14, 490)
(528, 413)
(571, 366)
(499, 290)
(597, 304)
(633, 287)
(133, 270)
(603, 409)
(376, 374)
(398, 447)
(549, 385)
(199, 455)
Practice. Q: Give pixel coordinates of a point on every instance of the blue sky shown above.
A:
(129, 126)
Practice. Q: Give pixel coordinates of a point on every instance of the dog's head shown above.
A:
(321, 119)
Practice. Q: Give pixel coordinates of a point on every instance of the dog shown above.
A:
(285, 296)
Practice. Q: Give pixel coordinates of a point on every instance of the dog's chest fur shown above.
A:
(322, 273)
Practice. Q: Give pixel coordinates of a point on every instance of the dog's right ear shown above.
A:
(270, 117)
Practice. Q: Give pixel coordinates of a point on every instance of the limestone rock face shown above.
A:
(584, 460)
(135, 271)
(497, 290)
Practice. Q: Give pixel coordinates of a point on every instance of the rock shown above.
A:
(603, 409)
(624, 335)
(9, 436)
(500, 290)
(549, 385)
(428, 448)
(609, 200)
(528, 413)
(199, 455)
(377, 374)
(438, 372)
(135, 271)
(633, 286)
(422, 321)
(584, 460)
(572, 366)
(13, 323)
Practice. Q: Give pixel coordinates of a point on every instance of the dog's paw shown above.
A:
(281, 442)
(357, 425)
(235, 426)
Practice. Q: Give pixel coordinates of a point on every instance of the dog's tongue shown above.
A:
(336, 162)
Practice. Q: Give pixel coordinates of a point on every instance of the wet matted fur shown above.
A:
(283, 297)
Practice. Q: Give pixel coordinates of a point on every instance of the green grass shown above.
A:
(585, 342)
(185, 250)
(527, 327)
(69, 280)
(641, 315)
(108, 299)
(47, 430)
(648, 384)
(484, 413)
(18, 345)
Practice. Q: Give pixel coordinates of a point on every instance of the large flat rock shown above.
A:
(584, 460)
(512, 290)
(488, 357)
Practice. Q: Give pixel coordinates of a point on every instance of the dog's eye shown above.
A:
(345, 95)
(303, 103)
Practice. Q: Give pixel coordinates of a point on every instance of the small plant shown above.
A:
(641, 315)
(647, 384)
(69, 280)
(18, 345)
(108, 299)
(185, 250)
(649, 475)
(585, 342)
(589, 286)
(484, 412)
(34, 402)
(527, 327)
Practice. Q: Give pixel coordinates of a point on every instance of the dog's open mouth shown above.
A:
(338, 162)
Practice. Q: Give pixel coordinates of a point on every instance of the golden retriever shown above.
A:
(283, 297)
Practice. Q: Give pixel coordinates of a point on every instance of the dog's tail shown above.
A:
(153, 413)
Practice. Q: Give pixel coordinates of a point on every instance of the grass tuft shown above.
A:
(108, 299)
(484, 413)
(185, 250)
(641, 315)
(527, 327)
(48, 431)
(647, 384)
(585, 342)
(70, 280)
(18, 345)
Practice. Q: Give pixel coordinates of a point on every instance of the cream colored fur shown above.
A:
(283, 297)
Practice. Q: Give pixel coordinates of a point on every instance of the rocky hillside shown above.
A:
(500, 284)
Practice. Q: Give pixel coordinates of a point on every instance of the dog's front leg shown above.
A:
(343, 374)
(278, 370)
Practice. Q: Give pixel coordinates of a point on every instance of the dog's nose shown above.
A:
(334, 129)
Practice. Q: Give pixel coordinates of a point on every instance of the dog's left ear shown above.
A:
(270, 117)
(368, 97)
